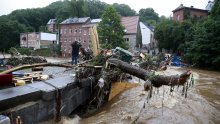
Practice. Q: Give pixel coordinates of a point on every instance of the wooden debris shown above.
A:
(156, 80)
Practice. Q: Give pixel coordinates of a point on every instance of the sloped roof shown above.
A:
(191, 8)
(130, 23)
(96, 20)
(51, 21)
(75, 20)
(151, 27)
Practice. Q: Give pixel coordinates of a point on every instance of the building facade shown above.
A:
(37, 40)
(51, 25)
(209, 5)
(182, 13)
(71, 30)
(132, 32)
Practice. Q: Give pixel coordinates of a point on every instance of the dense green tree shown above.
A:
(215, 12)
(148, 15)
(10, 33)
(168, 35)
(204, 49)
(78, 8)
(110, 30)
(96, 8)
(124, 10)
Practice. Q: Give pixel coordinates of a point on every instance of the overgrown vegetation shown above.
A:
(197, 39)
(110, 30)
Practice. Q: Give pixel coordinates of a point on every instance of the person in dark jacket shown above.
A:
(75, 52)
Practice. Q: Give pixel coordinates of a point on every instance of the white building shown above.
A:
(209, 5)
(37, 40)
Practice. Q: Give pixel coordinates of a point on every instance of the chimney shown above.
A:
(181, 5)
(191, 6)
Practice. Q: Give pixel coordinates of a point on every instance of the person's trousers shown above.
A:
(74, 60)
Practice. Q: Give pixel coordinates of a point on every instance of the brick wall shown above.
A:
(198, 13)
(70, 33)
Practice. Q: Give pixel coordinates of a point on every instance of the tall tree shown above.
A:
(148, 15)
(78, 8)
(10, 34)
(96, 8)
(215, 12)
(124, 10)
(110, 30)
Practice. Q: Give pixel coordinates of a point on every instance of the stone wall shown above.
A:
(38, 101)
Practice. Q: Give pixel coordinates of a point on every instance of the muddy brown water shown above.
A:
(202, 106)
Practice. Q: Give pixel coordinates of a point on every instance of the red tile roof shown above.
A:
(130, 23)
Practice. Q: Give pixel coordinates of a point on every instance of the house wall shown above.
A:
(196, 13)
(37, 40)
(131, 41)
(70, 33)
(47, 43)
(51, 28)
(179, 15)
(145, 32)
(138, 37)
(32, 40)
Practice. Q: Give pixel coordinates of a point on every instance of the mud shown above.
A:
(202, 105)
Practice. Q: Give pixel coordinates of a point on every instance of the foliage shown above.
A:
(43, 52)
(24, 51)
(215, 12)
(148, 15)
(204, 49)
(124, 9)
(110, 30)
(10, 33)
(170, 35)
(96, 8)
(197, 39)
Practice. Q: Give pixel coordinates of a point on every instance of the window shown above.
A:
(70, 30)
(85, 32)
(75, 30)
(178, 17)
(80, 30)
(84, 39)
(126, 39)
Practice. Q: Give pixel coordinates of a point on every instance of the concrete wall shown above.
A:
(131, 41)
(37, 102)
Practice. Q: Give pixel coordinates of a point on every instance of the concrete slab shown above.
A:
(48, 92)
(17, 95)
(61, 82)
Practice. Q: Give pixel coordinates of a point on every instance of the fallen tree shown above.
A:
(156, 80)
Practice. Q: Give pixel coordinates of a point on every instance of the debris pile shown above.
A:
(15, 61)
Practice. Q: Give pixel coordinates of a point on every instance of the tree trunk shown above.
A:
(156, 80)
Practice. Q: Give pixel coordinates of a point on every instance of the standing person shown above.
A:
(75, 52)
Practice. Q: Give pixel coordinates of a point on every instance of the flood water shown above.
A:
(202, 106)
